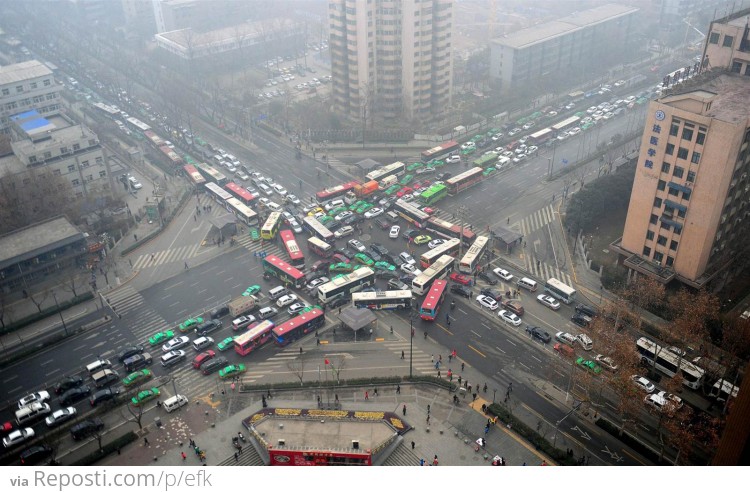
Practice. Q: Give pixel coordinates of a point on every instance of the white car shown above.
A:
(292, 199)
(279, 189)
(509, 317)
(408, 268)
(230, 167)
(497, 136)
(175, 343)
(286, 300)
(643, 383)
(316, 282)
(514, 131)
(606, 362)
(296, 308)
(295, 226)
(310, 207)
(528, 125)
(487, 302)
(373, 212)
(38, 397)
(395, 230)
(243, 322)
(503, 274)
(532, 150)
(619, 83)
(356, 244)
(407, 258)
(60, 416)
(18, 436)
(454, 159)
(548, 301)
(343, 232)
(468, 145)
(343, 215)
(425, 170)
(566, 338)
(242, 176)
(435, 243)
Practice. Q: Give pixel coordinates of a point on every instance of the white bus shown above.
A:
(440, 269)
(244, 214)
(395, 169)
(219, 194)
(315, 228)
(472, 257)
(449, 247)
(344, 286)
(319, 247)
(555, 288)
(669, 363)
(388, 299)
(722, 390)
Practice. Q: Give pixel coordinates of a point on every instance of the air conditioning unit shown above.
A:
(658, 263)
(281, 442)
(355, 444)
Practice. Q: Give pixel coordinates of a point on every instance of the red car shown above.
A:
(403, 191)
(6, 429)
(428, 210)
(340, 258)
(461, 279)
(203, 357)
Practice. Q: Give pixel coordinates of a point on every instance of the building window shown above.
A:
(665, 167)
(657, 202)
(99, 161)
(714, 38)
(71, 168)
(695, 158)
(678, 229)
(661, 241)
(19, 88)
(75, 182)
(681, 214)
(661, 185)
(649, 235)
(85, 164)
(728, 41)
(736, 67)
(48, 155)
(56, 172)
(673, 192)
(47, 82)
(670, 261)
(670, 149)
(678, 172)
(747, 69)
(102, 174)
(33, 85)
(687, 134)
(646, 251)
(686, 196)
(32, 159)
(674, 129)
(654, 219)
(658, 257)
(682, 153)
(691, 177)
(701, 138)
(76, 147)
(6, 92)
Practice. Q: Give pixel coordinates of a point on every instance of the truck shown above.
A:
(361, 191)
(241, 305)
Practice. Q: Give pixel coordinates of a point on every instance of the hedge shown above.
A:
(107, 449)
(627, 439)
(46, 312)
(332, 384)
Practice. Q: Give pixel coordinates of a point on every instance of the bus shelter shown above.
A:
(506, 239)
(358, 319)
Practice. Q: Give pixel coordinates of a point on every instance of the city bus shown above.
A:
(464, 180)
(555, 288)
(271, 227)
(541, 136)
(219, 194)
(336, 191)
(172, 157)
(346, 285)
(315, 228)
(441, 151)
(298, 326)
(473, 256)
(433, 300)
(669, 363)
(273, 265)
(486, 160)
(256, 335)
(211, 174)
(448, 230)
(565, 124)
(383, 299)
(319, 247)
(722, 390)
(240, 193)
(433, 194)
(449, 247)
(411, 213)
(296, 256)
(137, 124)
(194, 176)
(395, 169)
(438, 270)
(244, 214)
(155, 139)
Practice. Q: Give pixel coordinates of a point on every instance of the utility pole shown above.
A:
(60, 313)
(461, 213)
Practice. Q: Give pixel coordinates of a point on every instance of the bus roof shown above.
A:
(287, 326)
(433, 296)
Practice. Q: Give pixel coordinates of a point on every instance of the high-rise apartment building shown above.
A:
(391, 57)
(728, 43)
(688, 213)
(27, 86)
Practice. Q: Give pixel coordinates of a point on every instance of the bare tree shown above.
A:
(71, 283)
(337, 367)
(6, 308)
(297, 367)
(39, 297)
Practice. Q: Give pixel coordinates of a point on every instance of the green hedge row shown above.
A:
(360, 382)
(107, 449)
(626, 438)
(46, 312)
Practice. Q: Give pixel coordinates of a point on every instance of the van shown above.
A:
(137, 361)
(31, 413)
(277, 292)
(174, 403)
(393, 215)
(565, 338)
(565, 350)
(388, 182)
(273, 206)
(203, 342)
(334, 204)
(105, 377)
(527, 284)
(267, 312)
(584, 341)
(98, 366)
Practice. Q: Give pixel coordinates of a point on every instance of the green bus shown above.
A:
(433, 194)
(485, 160)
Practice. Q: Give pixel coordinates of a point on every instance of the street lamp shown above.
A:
(60, 313)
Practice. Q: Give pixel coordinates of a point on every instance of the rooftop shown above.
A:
(18, 72)
(219, 37)
(37, 237)
(61, 133)
(738, 19)
(728, 92)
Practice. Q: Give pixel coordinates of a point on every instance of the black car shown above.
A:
(396, 260)
(320, 267)
(351, 220)
(334, 225)
(487, 278)
(586, 310)
(379, 248)
(407, 278)
(396, 284)
(36, 454)
(374, 255)
(443, 176)
(538, 333)
(74, 394)
(410, 233)
(341, 301)
(86, 428)
(208, 327)
(130, 352)
(460, 290)
(214, 365)
(219, 312)
(346, 252)
(495, 294)
(68, 383)
(104, 395)
(581, 320)
(382, 223)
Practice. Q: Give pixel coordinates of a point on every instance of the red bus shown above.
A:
(171, 156)
(296, 327)
(440, 151)
(339, 190)
(256, 335)
(433, 300)
(446, 229)
(296, 256)
(465, 180)
(240, 193)
(194, 176)
(273, 265)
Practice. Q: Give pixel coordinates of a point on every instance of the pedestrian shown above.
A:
(473, 397)
(462, 366)
(468, 387)
(435, 461)
(428, 409)
(510, 387)
(236, 456)
(428, 418)
(367, 395)
(459, 380)
(450, 357)
(135, 237)
(449, 322)
(186, 265)
(375, 392)
(402, 355)
(145, 442)
(412, 446)
(403, 410)
(438, 372)
(195, 218)
(398, 389)
(432, 358)
(440, 358)
(336, 397)
(192, 443)
(300, 351)
(184, 456)
(421, 461)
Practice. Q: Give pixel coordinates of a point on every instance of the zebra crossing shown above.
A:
(537, 220)
(421, 362)
(545, 271)
(166, 256)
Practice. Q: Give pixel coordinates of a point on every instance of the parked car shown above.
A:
(643, 383)
(538, 333)
(503, 274)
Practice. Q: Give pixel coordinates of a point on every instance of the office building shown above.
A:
(27, 86)
(391, 58)
(728, 43)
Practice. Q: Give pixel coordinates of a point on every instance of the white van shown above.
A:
(134, 183)
(32, 412)
(527, 284)
(334, 204)
(388, 182)
(584, 341)
(98, 366)
(203, 342)
(277, 292)
(175, 402)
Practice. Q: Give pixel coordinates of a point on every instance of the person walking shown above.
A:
(462, 366)
(367, 395)
(412, 445)
(398, 389)
(236, 456)
(428, 418)
(145, 442)
(184, 456)
(186, 265)
(402, 355)
(403, 410)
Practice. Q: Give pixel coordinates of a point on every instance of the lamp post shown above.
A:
(411, 342)
(60, 313)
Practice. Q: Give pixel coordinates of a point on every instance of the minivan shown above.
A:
(105, 377)
(208, 327)
(527, 284)
(31, 413)
(201, 343)
(334, 204)
(277, 292)
(267, 312)
(98, 366)
(174, 403)
(586, 310)
(137, 361)
(584, 341)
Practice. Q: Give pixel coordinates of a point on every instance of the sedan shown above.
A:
(279, 189)
(422, 239)
(286, 300)
(232, 370)
(185, 325)
(454, 159)
(484, 276)
(356, 244)
(373, 212)
(75, 394)
(129, 352)
(461, 279)
(296, 308)
(137, 377)
(538, 333)
(548, 301)
(408, 268)
(292, 199)
(67, 383)
(435, 243)
(606, 362)
(407, 258)
(589, 365)
(395, 230)
(144, 396)
(60, 416)
(487, 302)
(175, 343)
(509, 317)
(18, 436)
(225, 344)
(643, 383)
(38, 397)
(503, 274)
(316, 282)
